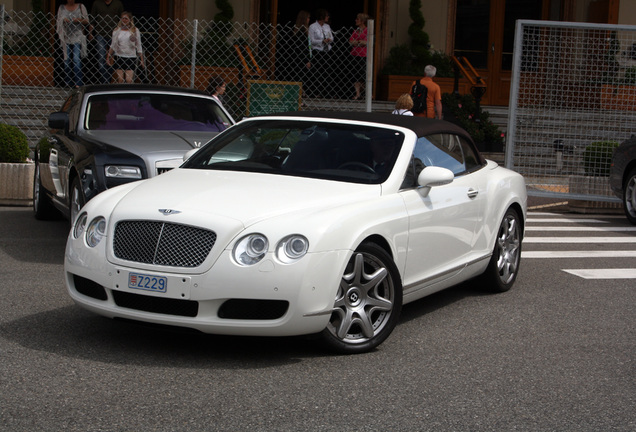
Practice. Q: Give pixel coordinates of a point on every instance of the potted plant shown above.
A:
(214, 53)
(16, 173)
(405, 63)
(30, 62)
(460, 109)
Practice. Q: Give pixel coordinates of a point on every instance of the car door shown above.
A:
(443, 223)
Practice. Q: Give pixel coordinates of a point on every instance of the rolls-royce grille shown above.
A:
(162, 243)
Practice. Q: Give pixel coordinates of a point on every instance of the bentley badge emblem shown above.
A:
(168, 212)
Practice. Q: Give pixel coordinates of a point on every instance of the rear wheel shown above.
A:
(368, 302)
(503, 267)
(42, 207)
(629, 197)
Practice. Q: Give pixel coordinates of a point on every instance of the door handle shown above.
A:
(472, 193)
(492, 47)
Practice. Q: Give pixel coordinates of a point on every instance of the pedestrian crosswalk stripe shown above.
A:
(580, 240)
(621, 273)
(579, 254)
(565, 220)
(582, 228)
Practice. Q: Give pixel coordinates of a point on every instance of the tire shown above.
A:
(368, 302)
(629, 197)
(503, 267)
(42, 206)
(77, 200)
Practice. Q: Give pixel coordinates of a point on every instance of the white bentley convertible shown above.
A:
(299, 224)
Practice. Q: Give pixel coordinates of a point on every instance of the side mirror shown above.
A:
(189, 153)
(58, 120)
(434, 176)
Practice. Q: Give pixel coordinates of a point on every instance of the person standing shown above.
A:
(433, 95)
(403, 105)
(125, 48)
(71, 19)
(105, 15)
(358, 42)
(216, 88)
(321, 38)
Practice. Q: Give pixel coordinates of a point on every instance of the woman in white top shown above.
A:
(71, 19)
(403, 105)
(125, 48)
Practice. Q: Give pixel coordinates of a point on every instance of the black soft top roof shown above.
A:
(421, 126)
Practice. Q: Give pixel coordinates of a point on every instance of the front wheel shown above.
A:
(368, 302)
(503, 267)
(42, 207)
(629, 197)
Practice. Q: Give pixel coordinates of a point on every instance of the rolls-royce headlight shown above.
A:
(96, 231)
(250, 249)
(122, 171)
(292, 248)
(80, 226)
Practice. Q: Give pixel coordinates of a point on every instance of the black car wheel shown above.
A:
(42, 206)
(503, 267)
(368, 302)
(629, 196)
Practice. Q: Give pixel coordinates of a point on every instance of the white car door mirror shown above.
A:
(434, 176)
(190, 153)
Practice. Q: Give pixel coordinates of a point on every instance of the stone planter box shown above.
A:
(16, 183)
(202, 75)
(391, 87)
(27, 71)
(588, 185)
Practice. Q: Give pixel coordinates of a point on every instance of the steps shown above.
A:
(28, 108)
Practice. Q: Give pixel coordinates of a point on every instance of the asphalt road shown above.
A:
(555, 353)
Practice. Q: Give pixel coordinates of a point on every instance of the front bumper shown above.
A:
(267, 299)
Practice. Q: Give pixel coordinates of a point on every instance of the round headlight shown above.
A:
(80, 226)
(96, 231)
(251, 249)
(292, 248)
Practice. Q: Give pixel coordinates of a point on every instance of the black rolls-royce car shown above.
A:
(107, 135)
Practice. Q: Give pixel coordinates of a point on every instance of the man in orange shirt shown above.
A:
(434, 96)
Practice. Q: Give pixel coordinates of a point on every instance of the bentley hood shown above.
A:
(246, 198)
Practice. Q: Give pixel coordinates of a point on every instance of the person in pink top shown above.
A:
(358, 42)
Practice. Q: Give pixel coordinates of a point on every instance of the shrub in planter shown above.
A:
(14, 147)
(460, 109)
(597, 158)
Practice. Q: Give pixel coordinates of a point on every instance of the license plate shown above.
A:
(148, 282)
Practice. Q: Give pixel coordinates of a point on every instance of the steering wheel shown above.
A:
(361, 166)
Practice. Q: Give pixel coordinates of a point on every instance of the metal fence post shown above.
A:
(1, 44)
(194, 52)
(369, 81)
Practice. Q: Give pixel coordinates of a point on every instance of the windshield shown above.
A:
(155, 111)
(333, 151)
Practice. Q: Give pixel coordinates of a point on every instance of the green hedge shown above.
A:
(597, 158)
(14, 147)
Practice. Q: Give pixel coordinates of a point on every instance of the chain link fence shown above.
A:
(573, 100)
(183, 53)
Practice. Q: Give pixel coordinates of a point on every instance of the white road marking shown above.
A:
(579, 254)
(620, 273)
(564, 220)
(613, 240)
(582, 228)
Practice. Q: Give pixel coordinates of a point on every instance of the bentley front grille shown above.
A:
(162, 243)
